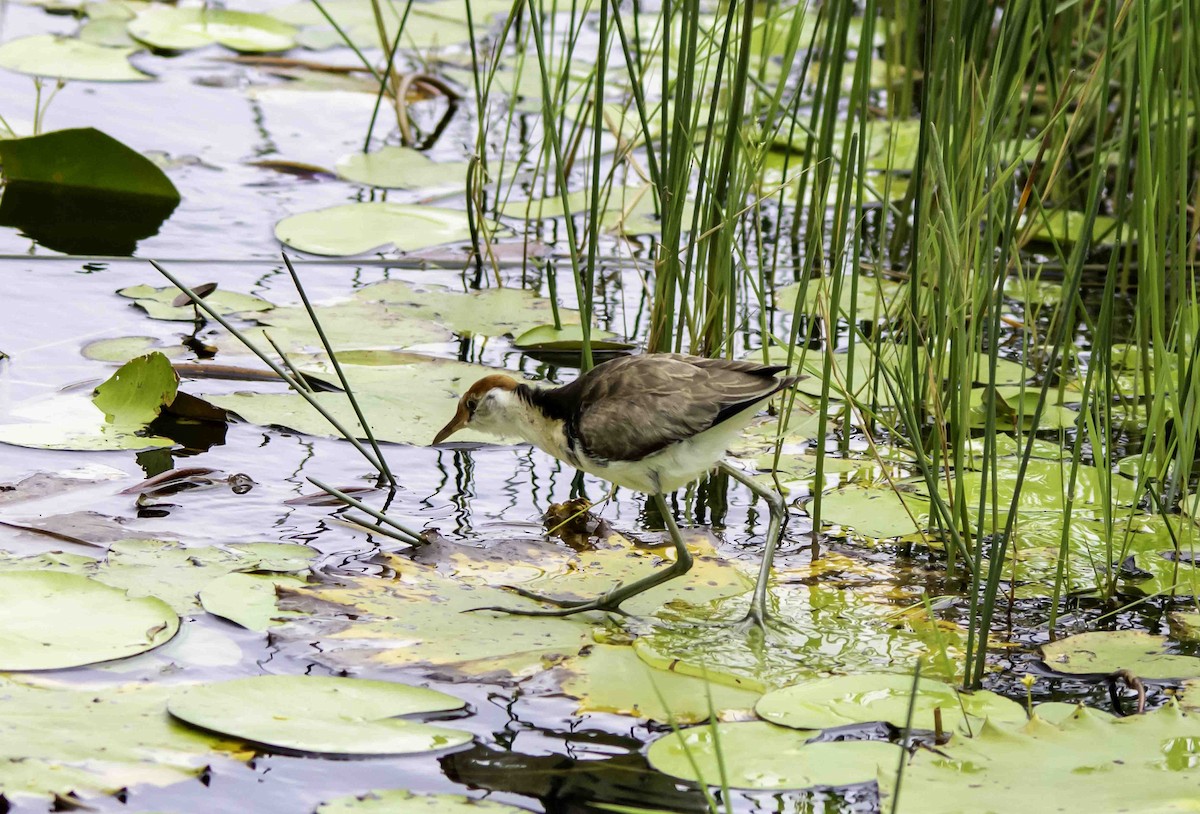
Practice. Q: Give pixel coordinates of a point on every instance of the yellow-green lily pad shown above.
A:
(173, 28)
(350, 229)
(610, 678)
(842, 700)
(320, 715)
(54, 620)
(759, 755)
(64, 58)
(1106, 651)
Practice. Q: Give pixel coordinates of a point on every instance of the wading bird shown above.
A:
(651, 423)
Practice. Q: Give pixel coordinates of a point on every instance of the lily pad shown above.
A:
(176, 573)
(55, 620)
(399, 801)
(874, 299)
(567, 338)
(64, 58)
(425, 28)
(350, 229)
(122, 348)
(139, 390)
(1066, 228)
(874, 512)
(1105, 652)
(819, 630)
(321, 715)
(401, 168)
(72, 422)
(843, 700)
(58, 740)
(610, 678)
(84, 160)
(157, 302)
(758, 755)
(1086, 764)
(420, 617)
(248, 599)
(172, 28)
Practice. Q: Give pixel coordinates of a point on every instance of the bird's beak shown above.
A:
(461, 417)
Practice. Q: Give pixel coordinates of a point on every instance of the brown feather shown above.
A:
(635, 406)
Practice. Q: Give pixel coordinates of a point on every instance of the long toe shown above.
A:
(565, 608)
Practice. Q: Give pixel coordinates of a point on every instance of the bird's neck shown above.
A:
(534, 415)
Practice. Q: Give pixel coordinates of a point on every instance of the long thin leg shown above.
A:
(758, 603)
(612, 600)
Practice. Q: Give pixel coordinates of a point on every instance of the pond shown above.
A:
(987, 461)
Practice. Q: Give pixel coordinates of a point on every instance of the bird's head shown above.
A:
(487, 407)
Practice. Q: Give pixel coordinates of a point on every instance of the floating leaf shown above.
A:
(399, 801)
(1088, 763)
(54, 620)
(401, 168)
(84, 160)
(613, 679)
(817, 630)
(173, 28)
(139, 390)
(157, 302)
(71, 421)
(420, 619)
(123, 348)
(758, 755)
(425, 29)
(1066, 228)
(248, 599)
(567, 338)
(62, 741)
(109, 32)
(63, 58)
(349, 229)
(176, 573)
(876, 512)
(1106, 651)
(843, 700)
(322, 715)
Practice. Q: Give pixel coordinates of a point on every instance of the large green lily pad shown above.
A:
(60, 740)
(611, 678)
(400, 801)
(843, 700)
(350, 229)
(176, 574)
(874, 511)
(84, 160)
(759, 755)
(817, 630)
(172, 28)
(64, 58)
(1086, 764)
(54, 620)
(404, 404)
(1103, 651)
(323, 715)
(428, 615)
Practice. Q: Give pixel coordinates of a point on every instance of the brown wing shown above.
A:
(637, 405)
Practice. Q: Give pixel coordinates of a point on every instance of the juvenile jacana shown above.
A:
(651, 423)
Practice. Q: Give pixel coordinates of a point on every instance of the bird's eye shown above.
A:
(472, 403)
